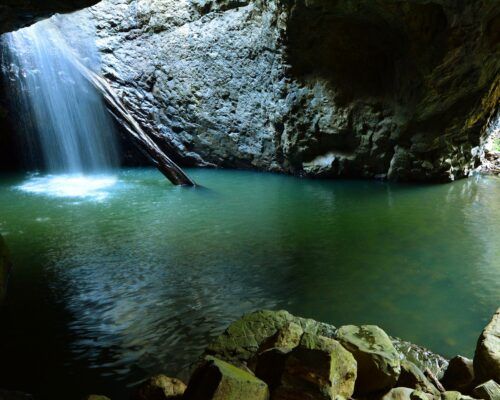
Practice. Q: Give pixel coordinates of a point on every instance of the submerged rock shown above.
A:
(459, 375)
(160, 387)
(487, 391)
(218, 380)
(319, 368)
(487, 355)
(378, 361)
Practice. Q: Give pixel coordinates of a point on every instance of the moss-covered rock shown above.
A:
(412, 377)
(319, 368)
(160, 387)
(487, 391)
(378, 361)
(218, 380)
(454, 395)
(399, 393)
(487, 355)
(258, 331)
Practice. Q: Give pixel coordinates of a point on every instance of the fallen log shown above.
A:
(116, 107)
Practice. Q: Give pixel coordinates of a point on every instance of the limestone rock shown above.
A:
(318, 369)
(487, 391)
(487, 355)
(399, 393)
(414, 378)
(160, 387)
(378, 361)
(218, 380)
(459, 375)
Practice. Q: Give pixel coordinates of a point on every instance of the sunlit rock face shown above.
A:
(16, 14)
(396, 89)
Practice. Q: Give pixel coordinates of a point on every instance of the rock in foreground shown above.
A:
(487, 355)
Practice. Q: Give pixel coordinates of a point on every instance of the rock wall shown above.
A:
(387, 88)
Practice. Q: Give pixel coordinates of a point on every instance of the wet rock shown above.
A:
(412, 377)
(160, 387)
(12, 395)
(459, 375)
(360, 88)
(218, 380)
(378, 361)
(5, 267)
(257, 331)
(318, 369)
(487, 355)
(487, 391)
(399, 393)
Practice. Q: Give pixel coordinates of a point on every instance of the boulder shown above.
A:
(257, 331)
(487, 391)
(487, 355)
(270, 365)
(10, 395)
(217, 380)
(399, 393)
(418, 395)
(96, 397)
(454, 395)
(160, 387)
(319, 368)
(378, 361)
(459, 375)
(414, 378)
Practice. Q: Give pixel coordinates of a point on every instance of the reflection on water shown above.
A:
(140, 281)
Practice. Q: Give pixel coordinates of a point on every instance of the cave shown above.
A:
(176, 174)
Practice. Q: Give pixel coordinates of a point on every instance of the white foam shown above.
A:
(95, 187)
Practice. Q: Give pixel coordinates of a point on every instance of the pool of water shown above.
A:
(120, 277)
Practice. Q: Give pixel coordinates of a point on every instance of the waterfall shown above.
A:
(62, 119)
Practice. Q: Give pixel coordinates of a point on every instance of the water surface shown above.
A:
(121, 277)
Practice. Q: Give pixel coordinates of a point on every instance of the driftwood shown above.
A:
(166, 166)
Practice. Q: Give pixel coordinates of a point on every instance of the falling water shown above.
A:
(63, 121)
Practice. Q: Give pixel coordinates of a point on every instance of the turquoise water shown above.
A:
(121, 277)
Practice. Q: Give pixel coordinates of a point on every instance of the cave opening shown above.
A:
(349, 156)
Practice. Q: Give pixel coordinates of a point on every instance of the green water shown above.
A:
(134, 278)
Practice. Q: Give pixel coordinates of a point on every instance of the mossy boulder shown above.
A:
(459, 375)
(217, 380)
(454, 395)
(487, 355)
(399, 393)
(412, 377)
(319, 368)
(378, 361)
(5, 267)
(487, 391)
(260, 330)
(160, 387)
